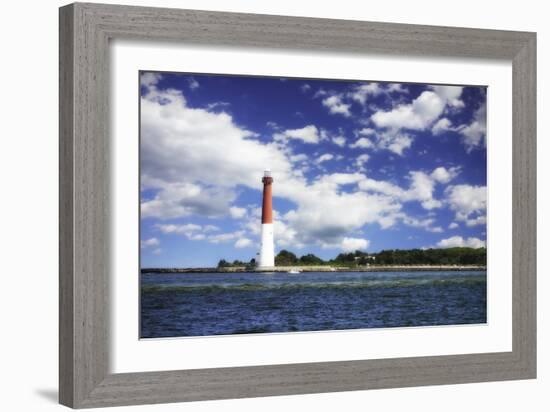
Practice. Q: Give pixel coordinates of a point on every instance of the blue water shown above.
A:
(201, 304)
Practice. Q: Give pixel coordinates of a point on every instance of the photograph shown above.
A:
(281, 204)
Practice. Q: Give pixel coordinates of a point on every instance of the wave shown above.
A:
(379, 283)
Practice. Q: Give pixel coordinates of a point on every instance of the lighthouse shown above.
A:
(267, 249)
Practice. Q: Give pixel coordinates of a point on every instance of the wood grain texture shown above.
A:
(85, 31)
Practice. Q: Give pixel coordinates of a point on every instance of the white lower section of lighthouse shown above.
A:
(267, 248)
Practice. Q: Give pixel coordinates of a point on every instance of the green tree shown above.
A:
(285, 258)
(311, 259)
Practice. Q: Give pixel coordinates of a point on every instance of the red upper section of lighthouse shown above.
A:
(267, 203)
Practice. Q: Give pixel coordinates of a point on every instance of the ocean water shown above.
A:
(202, 304)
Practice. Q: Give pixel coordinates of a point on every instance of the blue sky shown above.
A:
(356, 165)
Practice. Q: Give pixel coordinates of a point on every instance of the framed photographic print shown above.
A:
(261, 198)
(266, 205)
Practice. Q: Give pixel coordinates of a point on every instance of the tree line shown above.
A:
(449, 256)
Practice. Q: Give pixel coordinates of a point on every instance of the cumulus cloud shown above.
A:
(361, 92)
(396, 88)
(243, 242)
(149, 79)
(453, 225)
(190, 230)
(421, 187)
(420, 114)
(307, 134)
(185, 199)
(392, 140)
(336, 106)
(442, 175)
(339, 141)
(459, 241)
(441, 126)
(226, 237)
(324, 158)
(362, 143)
(468, 202)
(416, 116)
(192, 165)
(299, 157)
(451, 94)
(361, 160)
(198, 232)
(395, 142)
(150, 243)
(351, 244)
(192, 158)
(193, 83)
(237, 212)
(474, 134)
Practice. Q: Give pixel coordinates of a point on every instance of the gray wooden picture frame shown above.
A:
(85, 31)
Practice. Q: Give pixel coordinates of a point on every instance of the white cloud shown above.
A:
(441, 126)
(305, 87)
(396, 88)
(391, 140)
(307, 134)
(442, 175)
(150, 242)
(362, 143)
(422, 112)
(394, 142)
(478, 220)
(190, 230)
(237, 212)
(468, 202)
(339, 141)
(320, 93)
(421, 187)
(180, 229)
(243, 242)
(366, 131)
(417, 115)
(451, 94)
(192, 160)
(324, 158)
(453, 225)
(362, 159)
(217, 105)
(226, 237)
(382, 187)
(149, 79)
(361, 92)
(351, 244)
(336, 106)
(474, 134)
(273, 125)
(185, 199)
(193, 83)
(459, 241)
(299, 157)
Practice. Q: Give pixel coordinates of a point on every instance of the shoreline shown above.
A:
(283, 269)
